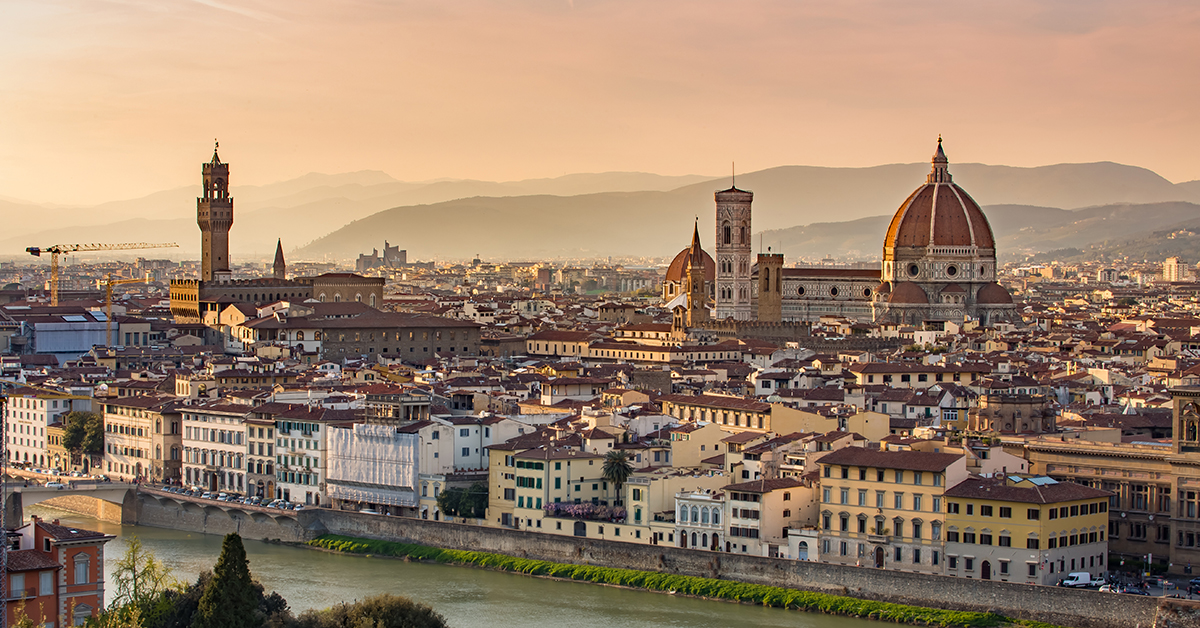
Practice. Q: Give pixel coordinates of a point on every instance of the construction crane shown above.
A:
(108, 286)
(63, 249)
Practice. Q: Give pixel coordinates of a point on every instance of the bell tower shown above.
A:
(733, 293)
(214, 214)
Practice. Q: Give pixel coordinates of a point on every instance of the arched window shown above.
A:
(802, 551)
(716, 516)
(704, 516)
(695, 517)
(683, 512)
(299, 335)
(728, 234)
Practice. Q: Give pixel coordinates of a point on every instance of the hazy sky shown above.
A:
(102, 100)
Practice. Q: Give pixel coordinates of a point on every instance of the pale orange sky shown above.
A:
(102, 100)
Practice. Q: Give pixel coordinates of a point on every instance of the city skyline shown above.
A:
(114, 101)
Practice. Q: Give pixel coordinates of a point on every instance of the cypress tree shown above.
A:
(230, 600)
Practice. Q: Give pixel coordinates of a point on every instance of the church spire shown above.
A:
(940, 173)
(697, 252)
(280, 267)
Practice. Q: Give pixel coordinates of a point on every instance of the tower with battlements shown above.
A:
(214, 214)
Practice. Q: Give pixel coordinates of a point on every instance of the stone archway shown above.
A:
(879, 557)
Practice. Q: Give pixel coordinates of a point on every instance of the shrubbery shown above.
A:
(688, 585)
(585, 510)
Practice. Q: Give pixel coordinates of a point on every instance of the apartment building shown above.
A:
(885, 508)
(143, 438)
(260, 457)
(27, 416)
(56, 573)
(215, 443)
(1030, 529)
(759, 513)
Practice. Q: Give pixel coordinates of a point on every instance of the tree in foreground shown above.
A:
(378, 611)
(617, 469)
(230, 599)
(139, 578)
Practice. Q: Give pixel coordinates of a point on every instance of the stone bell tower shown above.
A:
(214, 214)
(734, 285)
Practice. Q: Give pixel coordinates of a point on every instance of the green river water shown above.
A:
(467, 597)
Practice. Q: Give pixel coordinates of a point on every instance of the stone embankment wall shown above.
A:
(1065, 607)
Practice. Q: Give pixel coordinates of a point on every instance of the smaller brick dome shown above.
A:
(678, 268)
(993, 294)
(907, 292)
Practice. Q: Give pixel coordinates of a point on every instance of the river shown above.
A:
(467, 597)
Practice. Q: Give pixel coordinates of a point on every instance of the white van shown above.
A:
(1079, 579)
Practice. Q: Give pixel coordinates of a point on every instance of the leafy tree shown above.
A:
(230, 599)
(84, 432)
(460, 502)
(139, 577)
(378, 611)
(617, 469)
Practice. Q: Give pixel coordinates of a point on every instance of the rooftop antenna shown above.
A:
(733, 173)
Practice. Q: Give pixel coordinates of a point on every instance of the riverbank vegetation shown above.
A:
(686, 585)
(147, 596)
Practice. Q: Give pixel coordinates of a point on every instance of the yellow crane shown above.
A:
(63, 249)
(108, 286)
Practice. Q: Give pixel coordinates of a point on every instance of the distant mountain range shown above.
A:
(1020, 230)
(803, 211)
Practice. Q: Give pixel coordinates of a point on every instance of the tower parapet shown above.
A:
(770, 287)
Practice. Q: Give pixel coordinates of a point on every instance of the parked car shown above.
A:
(58, 485)
(299, 507)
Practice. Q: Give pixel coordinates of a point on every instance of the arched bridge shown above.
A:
(17, 496)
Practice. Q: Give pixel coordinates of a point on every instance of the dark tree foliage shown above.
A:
(230, 599)
(84, 432)
(464, 502)
(378, 611)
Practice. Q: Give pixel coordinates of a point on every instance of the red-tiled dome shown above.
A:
(678, 268)
(953, 289)
(883, 288)
(939, 213)
(993, 294)
(907, 292)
